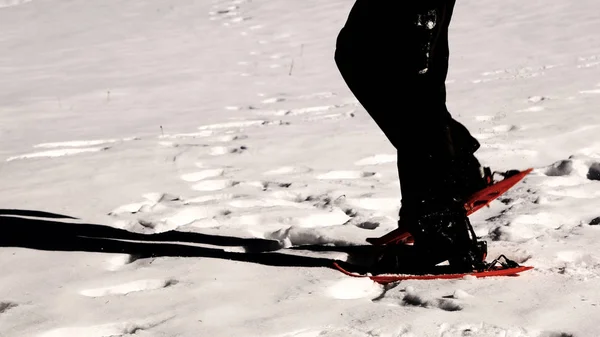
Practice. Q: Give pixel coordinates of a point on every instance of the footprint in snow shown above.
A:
(266, 185)
(5, 306)
(537, 99)
(117, 262)
(568, 167)
(560, 168)
(228, 11)
(222, 150)
(368, 225)
(594, 172)
(595, 221)
(214, 185)
(555, 334)
(412, 298)
(502, 129)
(230, 138)
(130, 287)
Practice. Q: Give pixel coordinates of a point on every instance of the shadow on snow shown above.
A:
(48, 231)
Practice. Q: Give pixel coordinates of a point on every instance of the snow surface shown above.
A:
(174, 137)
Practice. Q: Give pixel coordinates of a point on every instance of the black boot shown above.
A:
(442, 232)
(470, 176)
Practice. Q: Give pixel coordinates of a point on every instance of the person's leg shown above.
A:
(433, 202)
(397, 70)
(467, 169)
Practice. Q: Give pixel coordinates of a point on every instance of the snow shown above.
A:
(162, 161)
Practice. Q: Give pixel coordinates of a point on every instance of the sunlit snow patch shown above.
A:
(345, 175)
(238, 124)
(288, 170)
(377, 159)
(11, 3)
(76, 143)
(354, 288)
(57, 153)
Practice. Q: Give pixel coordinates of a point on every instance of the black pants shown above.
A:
(394, 58)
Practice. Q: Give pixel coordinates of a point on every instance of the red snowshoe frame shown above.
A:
(478, 249)
(507, 268)
(474, 203)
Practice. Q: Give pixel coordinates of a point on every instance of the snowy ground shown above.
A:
(204, 124)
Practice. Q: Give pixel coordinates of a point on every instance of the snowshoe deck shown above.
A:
(389, 278)
(476, 202)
